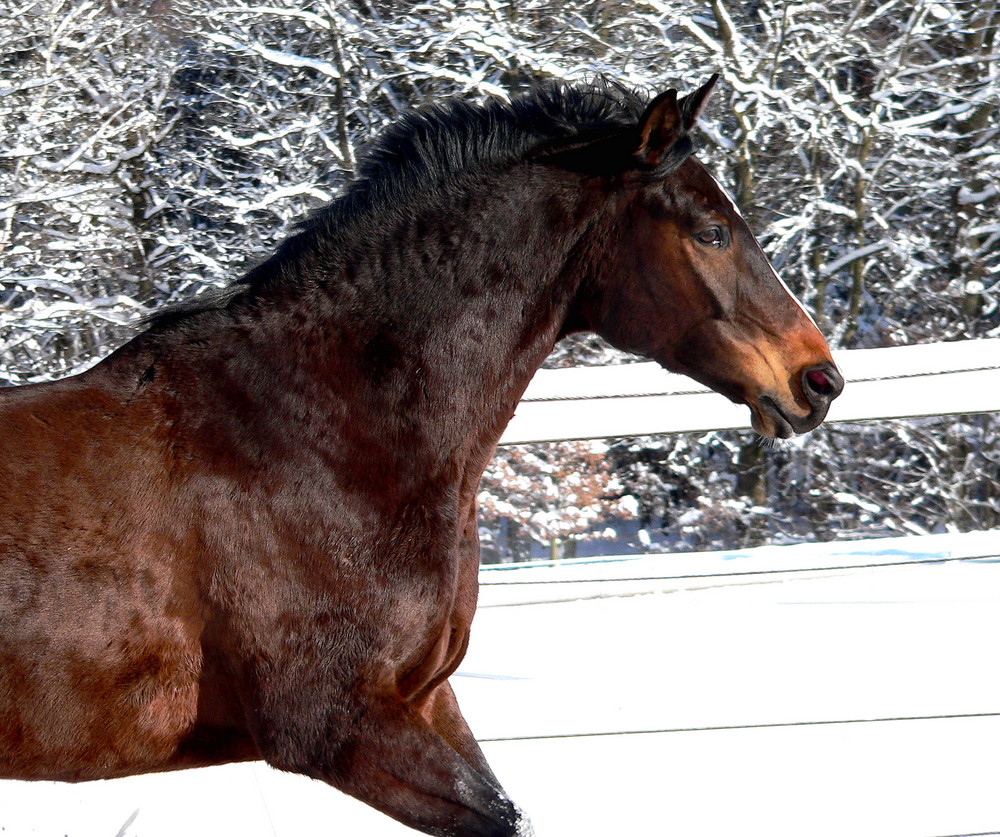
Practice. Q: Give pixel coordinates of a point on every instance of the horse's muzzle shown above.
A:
(820, 385)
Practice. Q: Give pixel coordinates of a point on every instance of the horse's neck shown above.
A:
(466, 305)
(416, 341)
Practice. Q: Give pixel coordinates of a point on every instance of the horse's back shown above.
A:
(99, 623)
(77, 463)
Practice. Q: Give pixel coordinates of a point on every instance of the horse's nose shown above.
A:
(821, 384)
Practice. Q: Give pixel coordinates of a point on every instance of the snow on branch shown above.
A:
(275, 56)
(57, 195)
(280, 194)
(953, 109)
(853, 256)
(277, 11)
(263, 136)
(967, 197)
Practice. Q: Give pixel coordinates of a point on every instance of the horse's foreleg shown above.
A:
(391, 758)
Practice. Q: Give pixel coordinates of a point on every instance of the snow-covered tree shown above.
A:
(83, 93)
(559, 495)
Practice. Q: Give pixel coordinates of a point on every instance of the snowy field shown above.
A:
(788, 699)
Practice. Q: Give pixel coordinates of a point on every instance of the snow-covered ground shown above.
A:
(775, 659)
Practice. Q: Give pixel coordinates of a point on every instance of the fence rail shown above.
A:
(643, 399)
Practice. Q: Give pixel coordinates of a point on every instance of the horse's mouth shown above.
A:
(768, 420)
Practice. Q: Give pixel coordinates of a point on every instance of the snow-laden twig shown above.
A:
(282, 193)
(275, 11)
(968, 197)
(55, 195)
(263, 136)
(860, 253)
(275, 56)
(952, 109)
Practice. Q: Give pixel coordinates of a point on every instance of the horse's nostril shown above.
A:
(819, 382)
(822, 383)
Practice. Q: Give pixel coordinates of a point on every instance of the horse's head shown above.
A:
(681, 278)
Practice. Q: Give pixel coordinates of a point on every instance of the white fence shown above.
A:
(643, 399)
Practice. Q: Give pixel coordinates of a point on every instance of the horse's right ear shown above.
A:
(659, 128)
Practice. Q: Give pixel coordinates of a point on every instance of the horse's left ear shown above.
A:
(694, 103)
(666, 122)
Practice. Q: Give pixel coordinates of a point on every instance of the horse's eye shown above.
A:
(712, 237)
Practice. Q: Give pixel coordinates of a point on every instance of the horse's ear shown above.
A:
(667, 121)
(659, 128)
(694, 103)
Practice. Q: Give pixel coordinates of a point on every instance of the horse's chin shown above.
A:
(770, 425)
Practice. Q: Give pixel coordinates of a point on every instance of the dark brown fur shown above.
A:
(250, 532)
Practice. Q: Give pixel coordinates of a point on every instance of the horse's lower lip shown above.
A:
(783, 427)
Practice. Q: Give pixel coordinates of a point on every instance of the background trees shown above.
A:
(150, 150)
(556, 494)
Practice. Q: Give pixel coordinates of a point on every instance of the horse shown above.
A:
(250, 531)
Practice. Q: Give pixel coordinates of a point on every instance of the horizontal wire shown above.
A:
(975, 834)
(740, 574)
(734, 727)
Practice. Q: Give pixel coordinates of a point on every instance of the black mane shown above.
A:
(416, 158)
(425, 149)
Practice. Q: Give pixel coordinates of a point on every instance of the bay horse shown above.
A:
(250, 532)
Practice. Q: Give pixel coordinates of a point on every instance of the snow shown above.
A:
(837, 649)
(951, 109)
(275, 195)
(276, 56)
(967, 197)
(852, 256)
